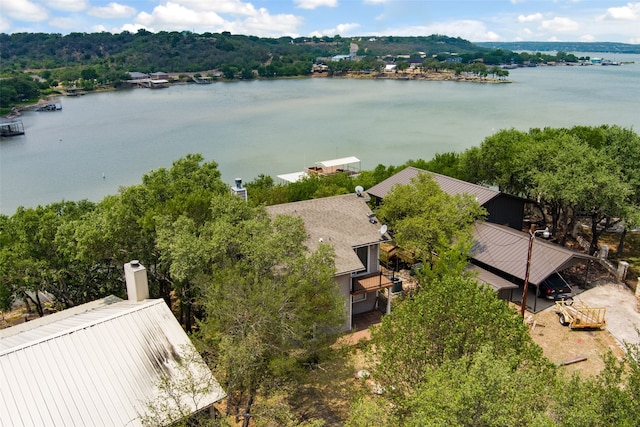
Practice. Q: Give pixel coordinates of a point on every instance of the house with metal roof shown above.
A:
(347, 224)
(502, 208)
(499, 255)
(504, 251)
(100, 364)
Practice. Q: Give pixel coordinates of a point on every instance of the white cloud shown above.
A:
(264, 24)
(466, 29)
(560, 24)
(314, 4)
(112, 10)
(341, 29)
(200, 16)
(587, 38)
(64, 23)
(231, 7)
(530, 18)
(175, 17)
(375, 1)
(630, 12)
(132, 28)
(24, 10)
(5, 24)
(67, 5)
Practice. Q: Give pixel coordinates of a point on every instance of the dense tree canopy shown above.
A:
(430, 224)
(260, 327)
(453, 354)
(579, 172)
(241, 281)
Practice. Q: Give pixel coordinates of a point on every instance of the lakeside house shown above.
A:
(502, 208)
(151, 81)
(347, 224)
(499, 255)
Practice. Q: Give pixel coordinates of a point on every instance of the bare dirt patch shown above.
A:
(561, 344)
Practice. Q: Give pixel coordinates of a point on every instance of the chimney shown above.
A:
(136, 277)
(239, 190)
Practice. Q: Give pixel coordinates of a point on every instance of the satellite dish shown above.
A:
(359, 191)
(383, 229)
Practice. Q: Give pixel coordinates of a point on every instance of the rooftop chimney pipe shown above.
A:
(136, 277)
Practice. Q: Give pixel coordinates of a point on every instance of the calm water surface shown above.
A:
(100, 142)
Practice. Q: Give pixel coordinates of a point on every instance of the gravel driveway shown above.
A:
(623, 317)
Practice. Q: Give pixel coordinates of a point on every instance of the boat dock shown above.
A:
(11, 127)
(348, 165)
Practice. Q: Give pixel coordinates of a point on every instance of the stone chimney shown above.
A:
(136, 277)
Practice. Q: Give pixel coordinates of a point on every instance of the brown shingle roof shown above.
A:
(342, 221)
(505, 249)
(449, 185)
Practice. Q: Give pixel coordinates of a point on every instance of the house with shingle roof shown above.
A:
(347, 224)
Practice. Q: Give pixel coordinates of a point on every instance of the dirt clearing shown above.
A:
(561, 344)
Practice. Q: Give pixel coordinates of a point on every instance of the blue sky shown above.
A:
(479, 20)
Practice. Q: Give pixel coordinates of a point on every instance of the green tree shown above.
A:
(428, 222)
(452, 328)
(260, 326)
(592, 184)
(483, 390)
(34, 260)
(183, 395)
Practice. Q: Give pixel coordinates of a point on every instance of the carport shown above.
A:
(503, 251)
(501, 286)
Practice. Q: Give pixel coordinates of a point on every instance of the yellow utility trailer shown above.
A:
(580, 315)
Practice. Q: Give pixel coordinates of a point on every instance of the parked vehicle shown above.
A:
(554, 288)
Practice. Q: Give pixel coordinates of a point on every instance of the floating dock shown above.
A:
(11, 127)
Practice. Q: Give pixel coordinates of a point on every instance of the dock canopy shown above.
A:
(338, 162)
(292, 177)
(351, 165)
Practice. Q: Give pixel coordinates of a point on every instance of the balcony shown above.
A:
(370, 283)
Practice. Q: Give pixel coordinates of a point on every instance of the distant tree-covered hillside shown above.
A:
(608, 47)
(189, 52)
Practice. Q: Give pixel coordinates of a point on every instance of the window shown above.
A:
(359, 297)
(363, 254)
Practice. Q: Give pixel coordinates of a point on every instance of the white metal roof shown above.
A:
(293, 176)
(338, 162)
(95, 366)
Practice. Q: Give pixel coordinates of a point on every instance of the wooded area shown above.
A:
(241, 282)
(92, 61)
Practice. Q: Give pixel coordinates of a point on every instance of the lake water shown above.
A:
(100, 142)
